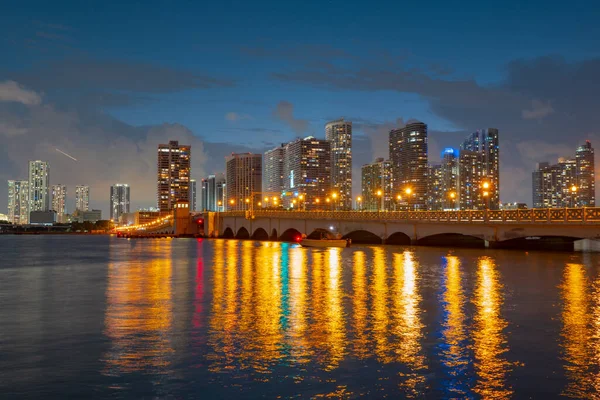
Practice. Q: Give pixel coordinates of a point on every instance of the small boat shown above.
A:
(325, 242)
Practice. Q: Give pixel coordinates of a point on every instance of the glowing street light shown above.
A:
(573, 192)
(486, 185)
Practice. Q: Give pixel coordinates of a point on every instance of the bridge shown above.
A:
(557, 228)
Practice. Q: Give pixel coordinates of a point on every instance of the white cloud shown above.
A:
(539, 110)
(11, 91)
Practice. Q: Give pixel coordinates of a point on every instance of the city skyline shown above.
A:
(121, 100)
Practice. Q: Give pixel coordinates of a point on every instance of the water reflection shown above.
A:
(361, 348)
(454, 354)
(580, 333)
(139, 314)
(335, 340)
(489, 339)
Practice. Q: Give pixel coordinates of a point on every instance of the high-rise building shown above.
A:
(434, 188)
(376, 190)
(307, 173)
(204, 203)
(39, 190)
(449, 190)
(82, 198)
(339, 134)
(273, 170)
(59, 202)
(173, 174)
(586, 185)
(119, 200)
(212, 192)
(244, 180)
(569, 183)
(193, 195)
(485, 142)
(18, 202)
(408, 157)
(470, 173)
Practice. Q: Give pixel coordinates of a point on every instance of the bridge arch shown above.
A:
(242, 233)
(363, 237)
(398, 238)
(228, 233)
(557, 243)
(452, 240)
(260, 234)
(290, 235)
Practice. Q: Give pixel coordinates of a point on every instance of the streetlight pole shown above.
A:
(573, 193)
(408, 192)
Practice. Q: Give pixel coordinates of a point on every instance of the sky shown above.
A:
(106, 82)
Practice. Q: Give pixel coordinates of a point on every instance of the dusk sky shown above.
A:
(107, 83)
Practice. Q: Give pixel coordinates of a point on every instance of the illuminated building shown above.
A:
(307, 172)
(586, 185)
(119, 200)
(82, 198)
(212, 192)
(273, 170)
(39, 179)
(408, 157)
(18, 202)
(244, 180)
(553, 184)
(173, 174)
(339, 134)
(376, 190)
(192, 195)
(434, 187)
(470, 172)
(59, 202)
(484, 142)
(449, 179)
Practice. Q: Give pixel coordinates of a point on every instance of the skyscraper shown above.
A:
(39, 180)
(470, 172)
(339, 134)
(434, 188)
(59, 202)
(376, 180)
(449, 193)
(18, 202)
(173, 174)
(244, 180)
(119, 200)
(212, 192)
(192, 195)
(82, 198)
(408, 157)
(586, 185)
(485, 142)
(273, 170)
(307, 172)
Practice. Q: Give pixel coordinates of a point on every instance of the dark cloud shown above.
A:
(285, 113)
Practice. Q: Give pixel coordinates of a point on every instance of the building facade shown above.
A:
(82, 198)
(339, 134)
(307, 175)
(174, 161)
(376, 187)
(39, 189)
(193, 195)
(59, 202)
(212, 192)
(449, 183)
(273, 170)
(408, 158)
(18, 202)
(470, 172)
(586, 177)
(119, 200)
(434, 187)
(485, 143)
(244, 180)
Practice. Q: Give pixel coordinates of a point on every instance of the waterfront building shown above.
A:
(39, 190)
(376, 188)
(339, 134)
(212, 192)
(59, 202)
(470, 172)
(586, 177)
(173, 174)
(192, 195)
(244, 180)
(408, 157)
(88, 216)
(307, 173)
(18, 202)
(448, 192)
(555, 186)
(434, 187)
(485, 143)
(46, 218)
(82, 197)
(273, 170)
(220, 192)
(119, 200)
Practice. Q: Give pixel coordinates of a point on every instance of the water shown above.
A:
(84, 317)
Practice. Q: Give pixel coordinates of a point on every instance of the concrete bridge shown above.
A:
(532, 228)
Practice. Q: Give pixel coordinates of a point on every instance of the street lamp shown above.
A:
(452, 196)
(486, 187)
(379, 193)
(408, 192)
(398, 199)
(573, 193)
(358, 203)
(219, 204)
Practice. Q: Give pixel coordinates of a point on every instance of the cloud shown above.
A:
(11, 91)
(233, 116)
(538, 110)
(285, 113)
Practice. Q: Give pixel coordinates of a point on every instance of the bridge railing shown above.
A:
(540, 215)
